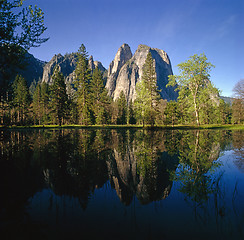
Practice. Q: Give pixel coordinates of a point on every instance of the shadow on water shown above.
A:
(59, 183)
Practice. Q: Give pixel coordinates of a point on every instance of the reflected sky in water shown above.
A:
(121, 184)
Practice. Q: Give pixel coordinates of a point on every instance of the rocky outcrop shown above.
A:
(123, 74)
(125, 77)
(67, 64)
(93, 64)
(122, 56)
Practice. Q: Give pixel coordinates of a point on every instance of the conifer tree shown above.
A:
(21, 99)
(122, 109)
(82, 85)
(131, 114)
(150, 79)
(37, 108)
(59, 96)
(224, 112)
(171, 113)
(45, 97)
(99, 97)
(147, 92)
(142, 102)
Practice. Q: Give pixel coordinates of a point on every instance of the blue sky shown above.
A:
(182, 28)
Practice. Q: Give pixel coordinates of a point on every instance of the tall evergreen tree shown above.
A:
(131, 114)
(59, 96)
(224, 112)
(147, 92)
(37, 108)
(82, 84)
(171, 113)
(21, 99)
(45, 97)
(142, 102)
(150, 79)
(122, 109)
(99, 96)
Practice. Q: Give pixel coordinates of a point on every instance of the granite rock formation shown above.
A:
(67, 64)
(123, 55)
(124, 77)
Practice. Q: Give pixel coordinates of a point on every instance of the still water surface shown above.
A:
(121, 184)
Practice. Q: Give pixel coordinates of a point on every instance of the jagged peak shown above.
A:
(124, 50)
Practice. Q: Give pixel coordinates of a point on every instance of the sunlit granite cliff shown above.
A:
(126, 70)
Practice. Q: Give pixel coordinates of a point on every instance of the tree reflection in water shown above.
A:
(136, 163)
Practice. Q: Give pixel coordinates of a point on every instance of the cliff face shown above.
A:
(67, 66)
(123, 55)
(125, 77)
(123, 74)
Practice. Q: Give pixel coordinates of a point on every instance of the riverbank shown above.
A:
(177, 127)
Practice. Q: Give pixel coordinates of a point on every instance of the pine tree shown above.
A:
(99, 97)
(122, 109)
(45, 97)
(171, 113)
(142, 102)
(147, 92)
(21, 99)
(150, 79)
(131, 114)
(224, 112)
(59, 96)
(37, 108)
(82, 85)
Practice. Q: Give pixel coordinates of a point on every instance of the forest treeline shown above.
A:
(86, 101)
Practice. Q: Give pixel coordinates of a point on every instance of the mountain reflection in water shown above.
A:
(49, 176)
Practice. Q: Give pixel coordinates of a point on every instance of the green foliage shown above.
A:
(198, 153)
(238, 111)
(82, 85)
(37, 109)
(238, 103)
(20, 29)
(21, 99)
(171, 113)
(41, 97)
(122, 109)
(142, 102)
(99, 96)
(59, 97)
(147, 93)
(192, 83)
(131, 114)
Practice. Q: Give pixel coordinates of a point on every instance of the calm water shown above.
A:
(109, 184)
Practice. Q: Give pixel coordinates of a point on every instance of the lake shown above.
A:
(121, 184)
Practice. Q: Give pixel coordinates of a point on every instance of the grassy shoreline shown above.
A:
(177, 127)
